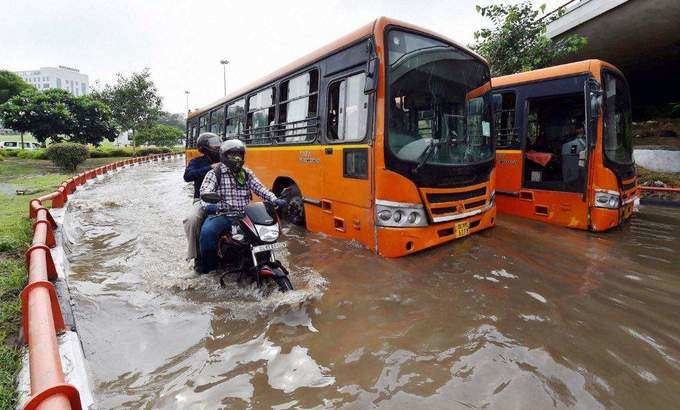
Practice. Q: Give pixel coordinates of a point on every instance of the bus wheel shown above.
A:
(295, 211)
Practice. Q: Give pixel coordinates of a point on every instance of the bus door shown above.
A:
(555, 151)
(347, 158)
(508, 152)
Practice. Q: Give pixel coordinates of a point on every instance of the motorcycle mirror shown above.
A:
(210, 197)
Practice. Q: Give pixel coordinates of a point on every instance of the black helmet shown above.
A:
(233, 154)
(209, 144)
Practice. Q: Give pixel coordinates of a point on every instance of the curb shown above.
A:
(43, 318)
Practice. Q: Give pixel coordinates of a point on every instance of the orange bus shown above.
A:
(383, 136)
(564, 145)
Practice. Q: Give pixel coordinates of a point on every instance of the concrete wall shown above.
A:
(640, 37)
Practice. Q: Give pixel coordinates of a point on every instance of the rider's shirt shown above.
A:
(234, 196)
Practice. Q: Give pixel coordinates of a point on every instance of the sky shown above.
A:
(182, 42)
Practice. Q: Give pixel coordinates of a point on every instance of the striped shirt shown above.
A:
(234, 197)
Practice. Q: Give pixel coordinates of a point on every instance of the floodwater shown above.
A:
(524, 315)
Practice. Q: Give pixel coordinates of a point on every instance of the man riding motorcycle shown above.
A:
(207, 144)
(234, 184)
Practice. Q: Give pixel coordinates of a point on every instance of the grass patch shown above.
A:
(41, 177)
(671, 179)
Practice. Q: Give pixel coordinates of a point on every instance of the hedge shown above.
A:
(67, 155)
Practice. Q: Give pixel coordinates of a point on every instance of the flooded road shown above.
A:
(524, 315)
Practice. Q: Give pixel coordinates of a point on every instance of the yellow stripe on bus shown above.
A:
(307, 147)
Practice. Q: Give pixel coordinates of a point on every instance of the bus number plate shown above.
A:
(462, 229)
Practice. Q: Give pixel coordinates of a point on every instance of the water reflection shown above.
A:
(524, 315)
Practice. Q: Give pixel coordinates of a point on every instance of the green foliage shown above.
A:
(108, 153)
(159, 135)
(56, 113)
(31, 154)
(67, 155)
(142, 152)
(11, 85)
(517, 42)
(9, 152)
(178, 121)
(134, 100)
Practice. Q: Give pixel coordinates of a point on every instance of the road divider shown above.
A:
(42, 318)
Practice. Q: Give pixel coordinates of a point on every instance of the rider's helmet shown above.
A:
(209, 144)
(233, 154)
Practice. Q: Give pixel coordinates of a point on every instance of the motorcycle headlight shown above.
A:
(607, 199)
(237, 233)
(399, 214)
(268, 233)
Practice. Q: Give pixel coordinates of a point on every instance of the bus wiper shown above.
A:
(426, 155)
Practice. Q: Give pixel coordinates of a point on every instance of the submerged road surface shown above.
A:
(524, 315)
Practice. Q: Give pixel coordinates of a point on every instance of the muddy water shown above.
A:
(522, 316)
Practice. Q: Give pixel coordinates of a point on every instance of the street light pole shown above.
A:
(187, 94)
(224, 67)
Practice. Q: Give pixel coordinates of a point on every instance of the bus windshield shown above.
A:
(436, 114)
(618, 133)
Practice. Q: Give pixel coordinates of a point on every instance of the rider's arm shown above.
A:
(195, 170)
(256, 186)
(209, 184)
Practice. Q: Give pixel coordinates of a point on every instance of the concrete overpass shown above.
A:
(641, 37)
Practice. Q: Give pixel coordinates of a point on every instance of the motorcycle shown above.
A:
(249, 247)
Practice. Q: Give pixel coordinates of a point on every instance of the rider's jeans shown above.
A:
(212, 228)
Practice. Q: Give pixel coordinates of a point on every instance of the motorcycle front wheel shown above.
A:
(284, 283)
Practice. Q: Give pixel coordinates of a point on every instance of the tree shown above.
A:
(160, 135)
(93, 121)
(11, 85)
(50, 115)
(134, 100)
(14, 113)
(55, 114)
(517, 41)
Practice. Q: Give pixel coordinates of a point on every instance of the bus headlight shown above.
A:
(607, 199)
(399, 214)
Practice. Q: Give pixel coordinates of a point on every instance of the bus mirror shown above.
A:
(371, 84)
(595, 103)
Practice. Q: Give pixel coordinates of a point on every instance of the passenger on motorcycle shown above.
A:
(207, 144)
(234, 183)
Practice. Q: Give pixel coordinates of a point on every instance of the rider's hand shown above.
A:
(280, 203)
(210, 208)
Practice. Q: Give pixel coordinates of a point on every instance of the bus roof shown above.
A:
(585, 66)
(342, 42)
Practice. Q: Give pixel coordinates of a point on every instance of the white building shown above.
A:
(66, 78)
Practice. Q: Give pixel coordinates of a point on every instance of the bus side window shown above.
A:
(203, 124)
(217, 121)
(260, 118)
(298, 116)
(347, 109)
(504, 109)
(236, 118)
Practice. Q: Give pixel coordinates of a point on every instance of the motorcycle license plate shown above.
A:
(269, 247)
(462, 229)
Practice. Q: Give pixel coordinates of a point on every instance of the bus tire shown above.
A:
(295, 210)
